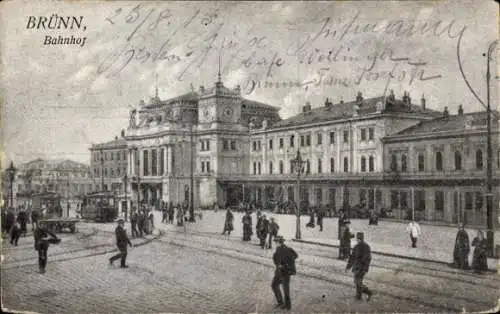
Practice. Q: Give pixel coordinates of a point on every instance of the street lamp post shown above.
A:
(191, 178)
(298, 165)
(11, 172)
(489, 159)
(125, 180)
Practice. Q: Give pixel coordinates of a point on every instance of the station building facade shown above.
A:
(226, 149)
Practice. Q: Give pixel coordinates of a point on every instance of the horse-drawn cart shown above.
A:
(48, 205)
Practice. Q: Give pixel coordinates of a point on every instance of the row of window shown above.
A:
(205, 166)
(438, 161)
(111, 172)
(472, 200)
(118, 155)
(204, 145)
(367, 164)
(366, 134)
(157, 164)
(229, 145)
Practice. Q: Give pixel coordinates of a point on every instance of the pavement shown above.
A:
(389, 238)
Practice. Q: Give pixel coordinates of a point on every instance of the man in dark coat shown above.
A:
(41, 235)
(141, 220)
(342, 220)
(247, 226)
(284, 260)
(273, 231)
(319, 218)
(35, 215)
(462, 249)
(133, 224)
(228, 223)
(359, 261)
(10, 219)
(122, 241)
(22, 218)
(345, 241)
(263, 231)
(15, 233)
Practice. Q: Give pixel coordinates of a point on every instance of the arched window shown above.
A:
(458, 160)
(346, 164)
(439, 161)
(363, 163)
(371, 164)
(404, 165)
(479, 159)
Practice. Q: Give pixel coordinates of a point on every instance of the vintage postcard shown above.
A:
(250, 157)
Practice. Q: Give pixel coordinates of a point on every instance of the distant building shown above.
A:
(69, 179)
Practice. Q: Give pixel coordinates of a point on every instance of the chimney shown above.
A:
(406, 98)
(328, 104)
(460, 110)
(307, 107)
(359, 97)
(422, 102)
(123, 133)
(445, 112)
(202, 89)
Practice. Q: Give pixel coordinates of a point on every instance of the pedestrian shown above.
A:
(373, 218)
(341, 222)
(10, 219)
(414, 230)
(133, 224)
(284, 260)
(42, 240)
(141, 221)
(462, 249)
(170, 213)
(22, 219)
(319, 219)
(258, 224)
(122, 241)
(15, 233)
(247, 226)
(479, 258)
(164, 213)
(345, 241)
(228, 223)
(4, 228)
(273, 231)
(359, 261)
(34, 219)
(263, 231)
(310, 224)
(151, 222)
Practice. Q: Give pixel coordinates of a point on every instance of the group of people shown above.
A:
(265, 229)
(462, 249)
(14, 226)
(141, 222)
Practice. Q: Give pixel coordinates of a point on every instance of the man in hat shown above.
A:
(263, 231)
(273, 231)
(284, 260)
(359, 261)
(42, 238)
(121, 242)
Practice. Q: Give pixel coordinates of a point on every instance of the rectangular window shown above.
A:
(479, 201)
(281, 167)
(202, 145)
(371, 134)
(207, 145)
(421, 162)
(308, 140)
(331, 197)
(332, 137)
(332, 165)
(320, 139)
(292, 169)
(162, 161)
(291, 194)
(233, 145)
(439, 201)
(254, 144)
(469, 200)
(202, 166)
(302, 141)
(362, 197)
(154, 162)
(145, 168)
(419, 197)
(282, 143)
(270, 144)
(320, 166)
(404, 199)
(259, 168)
(292, 141)
(270, 167)
(346, 136)
(363, 134)
(208, 166)
(225, 145)
(254, 167)
(258, 146)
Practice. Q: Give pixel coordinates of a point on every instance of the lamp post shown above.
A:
(298, 166)
(489, 159)
(102, 169)
(11, 172)
(125, 181)
(191, 175)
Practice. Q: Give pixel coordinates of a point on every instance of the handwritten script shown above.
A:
(190, 42)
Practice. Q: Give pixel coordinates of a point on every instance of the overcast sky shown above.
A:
(58, 99)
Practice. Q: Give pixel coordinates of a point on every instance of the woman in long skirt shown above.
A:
(479, 259)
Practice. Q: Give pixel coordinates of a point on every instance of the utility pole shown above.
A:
(102, 169)
(489, 160)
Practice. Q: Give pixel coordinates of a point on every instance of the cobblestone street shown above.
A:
(191, 271)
